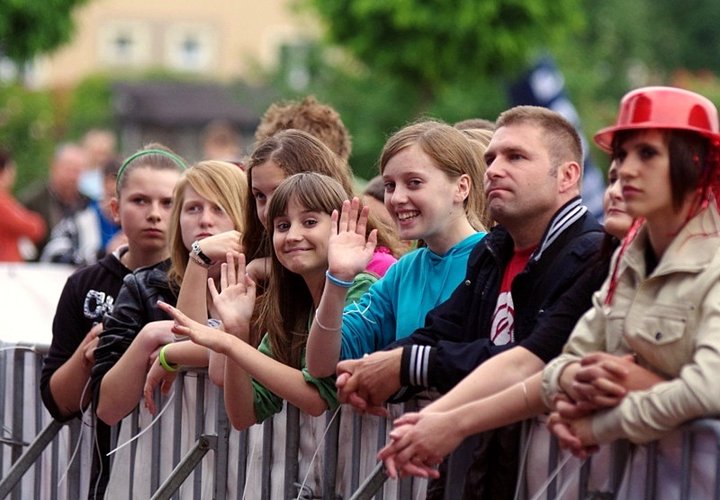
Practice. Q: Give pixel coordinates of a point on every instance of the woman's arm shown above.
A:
(69, 383)
(122, 386)
(193, 299)
(288, 383)
(349, 252)
(428, 436)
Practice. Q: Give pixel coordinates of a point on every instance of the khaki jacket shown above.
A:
(670, 321)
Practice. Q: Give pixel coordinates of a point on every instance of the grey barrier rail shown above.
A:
(191, 451)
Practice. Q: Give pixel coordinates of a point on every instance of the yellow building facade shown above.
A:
(218, 39)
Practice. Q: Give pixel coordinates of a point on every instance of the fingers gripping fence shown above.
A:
(192, 453)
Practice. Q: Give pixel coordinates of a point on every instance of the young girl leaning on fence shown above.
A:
(208, 200)
(142, 205)
(301, 218)
(434, 193)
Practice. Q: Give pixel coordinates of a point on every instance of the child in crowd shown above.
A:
(434, 193)
(207, 201)
(142, 207)
(301, 218)
(286, 153)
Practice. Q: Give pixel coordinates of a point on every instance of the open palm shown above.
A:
(349, 249)
(235, 302)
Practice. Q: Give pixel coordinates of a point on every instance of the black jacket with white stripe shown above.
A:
(456, 335)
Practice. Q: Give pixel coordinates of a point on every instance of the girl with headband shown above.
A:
(643, 360)
(142, 207)
(207, 200)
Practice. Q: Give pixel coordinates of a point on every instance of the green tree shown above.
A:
(428, 44)
(30, 28)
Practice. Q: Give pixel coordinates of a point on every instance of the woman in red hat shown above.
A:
(658, 314)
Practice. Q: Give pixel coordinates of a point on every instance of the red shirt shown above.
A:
(15, 222)
(503, 325)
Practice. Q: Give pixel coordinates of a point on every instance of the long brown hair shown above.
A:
(287, 304)
(295, 151)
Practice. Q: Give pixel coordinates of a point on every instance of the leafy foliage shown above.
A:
(30, 28)
(428, 43)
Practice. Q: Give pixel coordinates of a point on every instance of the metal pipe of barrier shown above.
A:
(186, 466)
(651, 471)
(267, 458)
(222, 452)
(17, 410)
(292, 445)
(332, 441)
(23, 464)
(372, 484)
(199, 423)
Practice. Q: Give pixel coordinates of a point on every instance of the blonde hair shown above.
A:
(452, 152)
(220, 182)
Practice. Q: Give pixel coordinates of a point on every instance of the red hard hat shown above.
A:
(662, 108)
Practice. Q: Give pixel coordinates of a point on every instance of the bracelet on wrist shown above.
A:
(317, 320)
(168, 367)
(198, 256)
(337, 281)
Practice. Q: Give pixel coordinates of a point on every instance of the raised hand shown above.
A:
(235, 302)
(200, 334)
(349, 249)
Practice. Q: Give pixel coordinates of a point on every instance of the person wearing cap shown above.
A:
(645, 358)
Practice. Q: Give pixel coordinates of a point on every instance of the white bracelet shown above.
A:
(325, 327)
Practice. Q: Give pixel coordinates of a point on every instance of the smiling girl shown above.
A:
(280, 156)
(300, 223)
(434, 193)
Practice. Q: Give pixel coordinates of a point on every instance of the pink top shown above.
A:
(381, 261)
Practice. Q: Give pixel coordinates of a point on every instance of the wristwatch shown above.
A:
(197, 255)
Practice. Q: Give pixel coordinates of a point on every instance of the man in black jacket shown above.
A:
(511, 301)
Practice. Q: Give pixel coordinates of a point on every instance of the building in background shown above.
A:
(218, 39)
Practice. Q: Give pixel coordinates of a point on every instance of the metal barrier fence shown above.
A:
(192, 453)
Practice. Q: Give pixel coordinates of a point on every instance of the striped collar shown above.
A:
(570, 213)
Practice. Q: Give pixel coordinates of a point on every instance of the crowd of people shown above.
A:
(469, 277)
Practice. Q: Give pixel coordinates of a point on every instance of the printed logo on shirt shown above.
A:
(503, 322)
(97, 304)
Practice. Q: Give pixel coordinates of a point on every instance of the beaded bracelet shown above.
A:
(337, 281)
(169, 367)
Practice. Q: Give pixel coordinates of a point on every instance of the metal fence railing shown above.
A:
(190, 452)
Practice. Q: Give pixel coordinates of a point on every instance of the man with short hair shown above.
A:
(546, 239)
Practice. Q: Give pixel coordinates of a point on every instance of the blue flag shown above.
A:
(544, 86)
